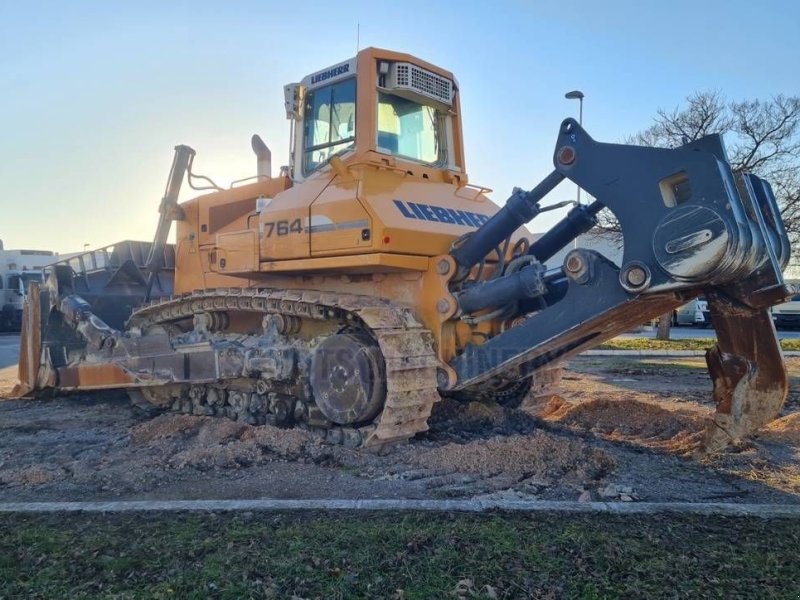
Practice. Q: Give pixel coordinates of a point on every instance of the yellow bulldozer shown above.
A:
(370, 278)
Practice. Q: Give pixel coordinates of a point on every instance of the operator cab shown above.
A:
(379, 103)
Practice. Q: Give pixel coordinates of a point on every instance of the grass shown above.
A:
(407, 555)
(679, 344)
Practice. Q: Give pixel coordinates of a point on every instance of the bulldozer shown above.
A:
(370, 278)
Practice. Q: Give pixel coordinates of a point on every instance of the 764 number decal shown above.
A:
(282, 228)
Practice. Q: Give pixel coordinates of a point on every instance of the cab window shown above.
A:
(410, 129)
(329, 125)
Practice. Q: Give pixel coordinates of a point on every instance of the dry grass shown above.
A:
(676, 344)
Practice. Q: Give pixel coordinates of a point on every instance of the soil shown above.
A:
(622, 429)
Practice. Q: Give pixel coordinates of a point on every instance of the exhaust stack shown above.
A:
(263, 157)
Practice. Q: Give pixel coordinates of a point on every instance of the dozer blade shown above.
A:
(30, 349)
(747, 369)
(96, 288)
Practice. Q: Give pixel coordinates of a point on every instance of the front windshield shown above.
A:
(330, 123)
(409, 129)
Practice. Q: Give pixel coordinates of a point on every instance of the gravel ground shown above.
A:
(623, 430)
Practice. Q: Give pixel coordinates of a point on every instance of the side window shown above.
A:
(407, 128)
(329, 125)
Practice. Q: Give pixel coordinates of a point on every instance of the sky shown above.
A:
(95, 95)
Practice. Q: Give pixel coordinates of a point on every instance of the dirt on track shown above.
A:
(623, 430)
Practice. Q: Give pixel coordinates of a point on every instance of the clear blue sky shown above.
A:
(94, 95)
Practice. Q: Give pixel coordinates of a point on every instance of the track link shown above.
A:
(407, 347)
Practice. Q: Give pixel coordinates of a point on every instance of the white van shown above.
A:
(694, 313)
(17, 269)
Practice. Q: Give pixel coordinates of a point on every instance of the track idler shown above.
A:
(747, 369)
(348, 378)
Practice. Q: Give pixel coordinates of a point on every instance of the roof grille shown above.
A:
(410, 77)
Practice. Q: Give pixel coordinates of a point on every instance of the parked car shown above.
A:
(787, 315)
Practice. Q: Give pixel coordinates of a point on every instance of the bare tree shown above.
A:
(763, 138)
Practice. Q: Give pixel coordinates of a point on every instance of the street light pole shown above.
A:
(577, 95)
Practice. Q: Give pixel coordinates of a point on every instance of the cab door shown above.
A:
(339, 223)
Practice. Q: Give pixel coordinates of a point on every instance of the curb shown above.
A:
(472, 506)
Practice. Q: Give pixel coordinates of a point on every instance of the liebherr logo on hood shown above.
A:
(440, 214)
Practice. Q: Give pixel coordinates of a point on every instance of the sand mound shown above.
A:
(539, 454)
(785, 430)
(207, 442)
(643, 423)
(8, 379)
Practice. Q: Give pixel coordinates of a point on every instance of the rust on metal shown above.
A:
(30, 349)
(747, 370)
(94, 377)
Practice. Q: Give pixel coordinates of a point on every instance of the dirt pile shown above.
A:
(95, 446)
(454, 420)
(204, 442)
(634, 421)
(165, 427)
(785, 430)
(540, 455)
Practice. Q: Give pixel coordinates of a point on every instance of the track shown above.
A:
(407, 348)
